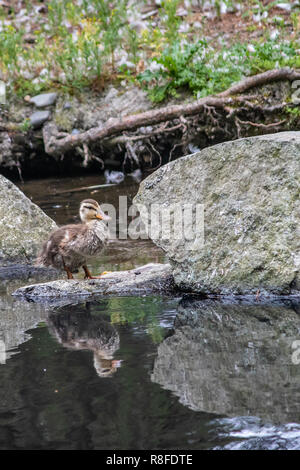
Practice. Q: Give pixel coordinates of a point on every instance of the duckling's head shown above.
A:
(90, 210)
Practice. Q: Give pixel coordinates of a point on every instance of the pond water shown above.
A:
(144, 372)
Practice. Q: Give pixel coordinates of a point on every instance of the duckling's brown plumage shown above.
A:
(68, 247)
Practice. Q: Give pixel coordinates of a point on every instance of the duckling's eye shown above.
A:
(90, 207)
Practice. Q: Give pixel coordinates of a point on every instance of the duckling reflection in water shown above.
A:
(77, 329)
(69, 246)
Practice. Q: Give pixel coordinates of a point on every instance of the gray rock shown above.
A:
(67, 105)
(91, 111)
(16, 319)
(148, 279)
(24, 226)
(250, 192)
(45, 99)
(38, 118)
(233, 359)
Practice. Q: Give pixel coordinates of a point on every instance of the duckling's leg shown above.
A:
(88, 274)
(69, 274)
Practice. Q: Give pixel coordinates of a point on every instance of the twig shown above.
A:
(157, 153)
(85, 188)
(261, 125)
(261, 79)
(123, 139)
(131, 153)
(172, 150)
(86, 155)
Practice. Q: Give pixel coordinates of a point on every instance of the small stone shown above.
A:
(284, 6)
(29, 39)
(45, 99)
(274, 34)
(27, 98)
(181, 12)
(38, 118)
(115, 177)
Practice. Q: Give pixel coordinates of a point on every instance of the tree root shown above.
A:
(56, 144)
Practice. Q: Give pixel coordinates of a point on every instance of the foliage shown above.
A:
(89, 42)
(202, 70)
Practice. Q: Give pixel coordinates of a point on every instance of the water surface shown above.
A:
(143, 372)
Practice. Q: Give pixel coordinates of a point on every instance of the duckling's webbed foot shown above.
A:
(88, 274)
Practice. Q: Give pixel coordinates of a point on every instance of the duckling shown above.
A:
(68, 247)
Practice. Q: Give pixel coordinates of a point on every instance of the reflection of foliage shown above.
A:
(156, 332)
(136, 310)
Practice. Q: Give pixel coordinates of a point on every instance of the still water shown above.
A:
(144, 372)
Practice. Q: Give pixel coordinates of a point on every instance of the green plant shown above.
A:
(295, 17)
(10, 46)
(293, 112)
(201, 69)
(80, 44)
(55, 13)
(25, 125)
(133, 44)
(169, 19)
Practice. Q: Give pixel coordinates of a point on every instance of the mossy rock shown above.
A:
(250, 191)
(24, 226)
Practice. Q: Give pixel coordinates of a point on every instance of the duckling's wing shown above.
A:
(62, 242)
(73, 238)
(91, 241)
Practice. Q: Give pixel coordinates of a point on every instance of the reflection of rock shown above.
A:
(12, 274)
(149, 279)
(75, 328)
(15, 319)
(233, 359)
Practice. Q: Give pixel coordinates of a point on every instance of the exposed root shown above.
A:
(154, 137)
(259, 124)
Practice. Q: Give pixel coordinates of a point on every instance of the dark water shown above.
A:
(52, 196)
(144, 373)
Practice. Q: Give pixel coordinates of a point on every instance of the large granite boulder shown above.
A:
(24, 226)
(249, 189)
